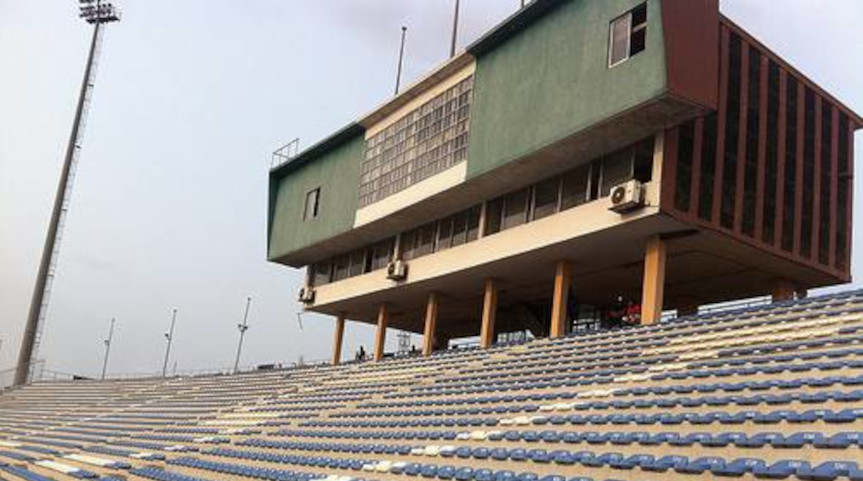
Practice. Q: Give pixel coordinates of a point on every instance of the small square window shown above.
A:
(627, 35)
(313, 198)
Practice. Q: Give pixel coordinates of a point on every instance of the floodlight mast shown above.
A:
(96, 13)
(242, 328)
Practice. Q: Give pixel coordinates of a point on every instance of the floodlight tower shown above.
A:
(96, 13)
(108, 348)
(242, 328)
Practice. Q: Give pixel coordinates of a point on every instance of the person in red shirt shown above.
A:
(632, 313)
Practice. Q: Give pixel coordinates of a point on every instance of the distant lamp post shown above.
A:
(96, 13)
(169, 338)
(108, 348)
(242, 328)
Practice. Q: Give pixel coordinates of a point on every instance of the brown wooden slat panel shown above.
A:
(720, 126)
(762, 150)
(740, 193)
(780, 155)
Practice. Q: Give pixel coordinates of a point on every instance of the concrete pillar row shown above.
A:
(489, 312)
(381, 333)
(560, 301)
(430, 324)
(653, 288)
(337, 339)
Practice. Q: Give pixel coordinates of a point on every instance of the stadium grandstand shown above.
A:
(569, 193)
(773, 392)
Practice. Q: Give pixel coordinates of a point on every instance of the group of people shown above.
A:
(623, 313)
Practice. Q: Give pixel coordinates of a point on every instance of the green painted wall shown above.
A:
(337, 173)
(552, 80)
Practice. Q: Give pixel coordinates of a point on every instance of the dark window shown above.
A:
(358, 262)
(575, 187)
(408, 244)
(425, 236)
(616, 169)
(789, 214)
(545, 196)
(444, 234)
(732, 122)
(708, 168)
(642, 164)
(515, 209)
(843, 190)
(627, 35)
(638, 35)
(313, 197)
(826, 182)
(493, 216)
(593, 185)
(753, 123)
(771, 159)
(808, 173)
(683, 175)
(381, 254)
(473, 215)
(459, 229)
(342, 268)
(321, 273)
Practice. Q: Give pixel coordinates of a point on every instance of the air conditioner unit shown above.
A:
(627, 196)
(307, 295)
(397, 270)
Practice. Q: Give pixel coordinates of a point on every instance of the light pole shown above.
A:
(96, 13)
(401, 60)
(454, 30)
(169, 338)
(242, 328)
(108, 347)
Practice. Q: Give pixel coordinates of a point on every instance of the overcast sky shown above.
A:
(169, 206)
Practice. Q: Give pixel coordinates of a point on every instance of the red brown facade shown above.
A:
(772, 166)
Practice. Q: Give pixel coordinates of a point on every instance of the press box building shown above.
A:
(580, 150)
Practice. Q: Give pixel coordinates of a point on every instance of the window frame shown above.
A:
(316, 208)
(630, 31)
(628, 18)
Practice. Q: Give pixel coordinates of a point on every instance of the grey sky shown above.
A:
(169, 206)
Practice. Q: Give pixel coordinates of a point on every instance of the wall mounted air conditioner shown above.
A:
(627, 196)
(397, 270)
(307, 295)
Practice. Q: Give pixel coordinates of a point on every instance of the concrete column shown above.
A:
(381, 333)
(654, 280)
(783, 290)
(337, 339)
(431, 322)
(562, 283)
(489, 311)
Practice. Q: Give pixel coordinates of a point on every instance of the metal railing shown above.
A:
(285, 153)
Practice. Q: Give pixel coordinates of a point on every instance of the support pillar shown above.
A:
(431, 322)
(562, 283)
(783, 290)
(337, 339)
(489, 311)
(654, 280)
(381, 333)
